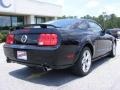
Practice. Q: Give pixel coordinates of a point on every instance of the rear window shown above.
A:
(63, 23)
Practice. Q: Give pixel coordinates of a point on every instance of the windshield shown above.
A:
(62, 23)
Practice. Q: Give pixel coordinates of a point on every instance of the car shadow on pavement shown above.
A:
(53, 77)
(50, 78)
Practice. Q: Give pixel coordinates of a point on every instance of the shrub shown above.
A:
(3, 35)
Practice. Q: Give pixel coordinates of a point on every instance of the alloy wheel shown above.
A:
(86, 61)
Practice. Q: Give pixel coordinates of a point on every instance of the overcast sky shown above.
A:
(92, 7)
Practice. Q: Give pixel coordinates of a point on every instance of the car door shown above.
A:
(103, 43)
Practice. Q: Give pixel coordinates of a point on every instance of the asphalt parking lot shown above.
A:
(105, 75)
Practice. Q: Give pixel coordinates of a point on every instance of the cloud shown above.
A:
(92, 3)
(92, 7)
(110, 9)
(58, 2)
(96, 7)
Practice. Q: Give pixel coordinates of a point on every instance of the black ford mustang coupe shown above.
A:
(60, 44)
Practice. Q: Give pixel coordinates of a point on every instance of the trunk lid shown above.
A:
(29, 36)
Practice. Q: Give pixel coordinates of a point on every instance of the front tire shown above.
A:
(83, 65)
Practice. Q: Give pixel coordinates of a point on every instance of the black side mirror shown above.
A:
(103, 31)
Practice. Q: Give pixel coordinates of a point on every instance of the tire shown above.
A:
(83, 65)
(113, 51)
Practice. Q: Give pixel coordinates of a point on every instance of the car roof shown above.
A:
(78, 19)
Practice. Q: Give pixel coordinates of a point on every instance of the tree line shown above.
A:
(107, 21)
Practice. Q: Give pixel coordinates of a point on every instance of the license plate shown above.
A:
(22, 55)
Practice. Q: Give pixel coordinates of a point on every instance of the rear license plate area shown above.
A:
(22, 55)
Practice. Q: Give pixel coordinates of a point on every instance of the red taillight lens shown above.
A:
(10, 39)
(48, 39)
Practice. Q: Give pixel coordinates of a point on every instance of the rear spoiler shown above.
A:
(31, 25)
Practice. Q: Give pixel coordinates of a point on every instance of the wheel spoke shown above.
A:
(84, 67)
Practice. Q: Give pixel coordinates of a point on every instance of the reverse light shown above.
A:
(48, 40)
(10, 39)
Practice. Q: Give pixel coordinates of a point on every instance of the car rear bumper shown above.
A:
(57, 57)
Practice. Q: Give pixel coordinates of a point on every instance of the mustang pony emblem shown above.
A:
(24, 38)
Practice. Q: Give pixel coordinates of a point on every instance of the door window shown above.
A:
(80, 25)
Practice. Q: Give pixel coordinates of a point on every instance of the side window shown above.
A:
(83, 25)
(95, 27)
(80, 25)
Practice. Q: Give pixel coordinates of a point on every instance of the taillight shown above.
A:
(48, 40)
(10, 39)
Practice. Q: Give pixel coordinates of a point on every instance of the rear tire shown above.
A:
(113, 51)
(83, 65)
